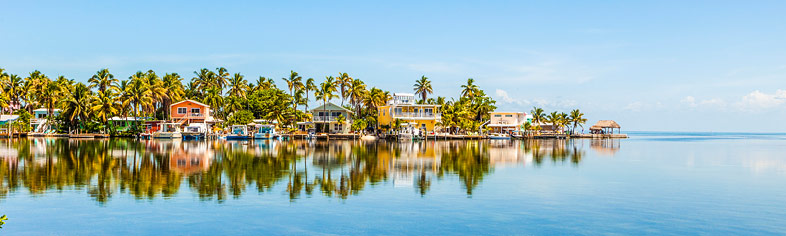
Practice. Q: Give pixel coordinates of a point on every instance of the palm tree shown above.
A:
(577, 118)
(470, 89)
(4, 101)
(173, 85)
(423, 87)
(342, 81)
(157, 90)
(265, 83)
(104, 107)
(294, 82)
(103, 80)
(341, 120)
(222, 75)
(13, 88)
(50, 96)
(563, 120)
(309, 86)
(238, 86)
(138, 94)
(356, 91)
(537, 115)
(214, 99)
(553, 118)
(203, 80)
(325, 92)
(77, 104)
(123, 104)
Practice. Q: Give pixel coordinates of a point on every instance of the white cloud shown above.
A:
(689, 100)
(634, 106)
(504, 97)
(758, 99)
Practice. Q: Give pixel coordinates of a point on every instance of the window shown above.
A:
(335, 114)
(181, 162)
(508, 115)
(497, 115)
(181, 110)
(398, 110)
(321, 113)
(195, 162)
(194, 110)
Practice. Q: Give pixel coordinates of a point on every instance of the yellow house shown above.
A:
(403, 107)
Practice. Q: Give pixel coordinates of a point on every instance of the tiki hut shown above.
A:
(605, 127)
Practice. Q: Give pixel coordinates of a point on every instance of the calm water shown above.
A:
(652, 183)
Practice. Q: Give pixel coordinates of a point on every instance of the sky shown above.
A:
(711, 66)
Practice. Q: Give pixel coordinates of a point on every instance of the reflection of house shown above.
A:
(190, 158)
(403, 107)
(605, 146)
(39, 122)
(189, 111)
(326, 118)
(507, 153)
(506, 122)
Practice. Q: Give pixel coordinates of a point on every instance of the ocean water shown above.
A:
(652, 183)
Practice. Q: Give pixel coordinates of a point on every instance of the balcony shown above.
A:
(417, 115)
(189, 115)
(325, 118)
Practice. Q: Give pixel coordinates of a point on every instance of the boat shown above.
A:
(368, 138)
(409, 132)
(265, 132)
(195, 131)
(238, 132)
(168, 131)
(499, 136)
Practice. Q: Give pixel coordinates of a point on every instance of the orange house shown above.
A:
(189, 111)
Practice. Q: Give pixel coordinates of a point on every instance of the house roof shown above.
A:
(605, 124)
(115, 118)
(188, 100)
(330, 107)
(404, 94)
(44, 109)
(504, 112)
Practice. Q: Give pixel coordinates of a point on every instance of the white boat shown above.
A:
(238, 132)
(194, 131)
(499, 136)
(265, 132)
(168, 131)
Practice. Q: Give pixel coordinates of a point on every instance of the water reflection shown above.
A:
(216, 170)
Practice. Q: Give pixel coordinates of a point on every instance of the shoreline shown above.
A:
(351, 136)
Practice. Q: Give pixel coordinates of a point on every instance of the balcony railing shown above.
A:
(325, 118)
(188, 115)
(417, 115)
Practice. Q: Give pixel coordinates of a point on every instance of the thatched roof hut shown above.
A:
(605, 124)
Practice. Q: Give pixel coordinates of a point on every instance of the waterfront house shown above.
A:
(404, 108)
(122, 124)
(187, 112)
(39, 123)
(325, 118)
(507, 122)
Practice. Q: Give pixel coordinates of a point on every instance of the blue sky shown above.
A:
(663, 65)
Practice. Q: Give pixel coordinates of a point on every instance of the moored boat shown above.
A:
(194, 131)
(168, 131)
(265, 132)
(238, 132)
(499, 136)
